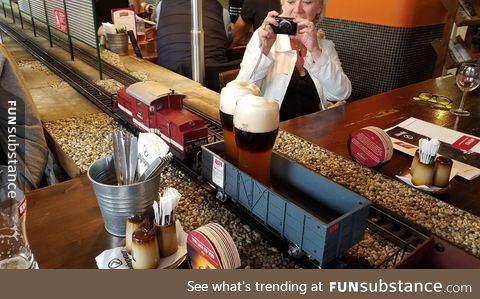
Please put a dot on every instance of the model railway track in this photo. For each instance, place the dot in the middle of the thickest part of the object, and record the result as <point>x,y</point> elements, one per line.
<point>399,231</point>
<point>81,83</point>
<point>396,229</point>
<point>215,134</point>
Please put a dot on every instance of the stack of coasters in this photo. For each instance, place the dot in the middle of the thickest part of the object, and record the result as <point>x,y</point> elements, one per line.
<point>211,247</point>
<point>370,146</point>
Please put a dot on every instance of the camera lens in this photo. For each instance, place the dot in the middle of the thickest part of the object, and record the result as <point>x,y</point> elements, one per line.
<point>285,26</point>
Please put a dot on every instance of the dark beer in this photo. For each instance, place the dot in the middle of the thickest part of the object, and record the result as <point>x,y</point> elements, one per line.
<point>255,152</point>
<point>229,96</point>
<point>230,148</point>
<point>256,123</point>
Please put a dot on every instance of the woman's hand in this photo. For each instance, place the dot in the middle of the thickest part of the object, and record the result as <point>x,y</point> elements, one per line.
<point>307,35</point>
<point>266,34</point>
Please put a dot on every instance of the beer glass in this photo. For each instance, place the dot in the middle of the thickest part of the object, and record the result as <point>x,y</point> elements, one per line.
<point>229,96</point>
<point>256,122</point>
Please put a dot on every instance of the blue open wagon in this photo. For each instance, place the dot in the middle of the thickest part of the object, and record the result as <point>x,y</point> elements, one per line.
<point>320,217</point>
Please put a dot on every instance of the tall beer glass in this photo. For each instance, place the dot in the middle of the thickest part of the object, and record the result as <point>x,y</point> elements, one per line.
<point>256,121</point>
<point>228,100</point>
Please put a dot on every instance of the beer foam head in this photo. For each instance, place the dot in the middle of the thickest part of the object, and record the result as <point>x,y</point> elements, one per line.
<point>233,91</point>
<point>256,114</point>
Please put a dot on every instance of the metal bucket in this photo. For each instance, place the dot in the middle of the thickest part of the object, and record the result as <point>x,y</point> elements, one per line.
<point>118,202</point>
<point>118,43</point>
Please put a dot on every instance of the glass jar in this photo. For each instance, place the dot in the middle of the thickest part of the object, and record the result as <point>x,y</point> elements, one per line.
<point>15,252</point>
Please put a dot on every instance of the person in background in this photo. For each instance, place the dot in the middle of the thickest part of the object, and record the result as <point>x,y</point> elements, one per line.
<point>158,7</point>
<point>173,35</point>
<point>301,72</point>
<point>253,13</point>
<point>23,147</point>
<point>104,8</point>
<point>226,20</point>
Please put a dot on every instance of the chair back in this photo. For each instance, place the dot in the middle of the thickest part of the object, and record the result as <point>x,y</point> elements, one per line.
<point>227,76</point>
<point>212,71</point>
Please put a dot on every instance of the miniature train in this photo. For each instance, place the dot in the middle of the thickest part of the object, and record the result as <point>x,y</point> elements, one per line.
<point>319,218</point>
<point>154,108</point>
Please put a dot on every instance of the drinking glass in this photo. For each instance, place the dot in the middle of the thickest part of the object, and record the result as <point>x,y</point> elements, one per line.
<point>468,78</point>
<point>15,252</point>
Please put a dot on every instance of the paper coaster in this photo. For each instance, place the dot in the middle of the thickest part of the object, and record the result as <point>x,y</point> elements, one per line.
<point>212,237</point>
<point>370,146</point>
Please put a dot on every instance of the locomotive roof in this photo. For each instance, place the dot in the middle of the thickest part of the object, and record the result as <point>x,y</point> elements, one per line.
<point>147,91</point>
<point>178,117</point>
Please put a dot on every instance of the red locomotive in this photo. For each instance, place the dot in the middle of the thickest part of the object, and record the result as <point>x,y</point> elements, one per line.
<point>154,108</point>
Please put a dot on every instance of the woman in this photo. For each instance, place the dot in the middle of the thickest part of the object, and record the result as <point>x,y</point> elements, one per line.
<point>299,71</point>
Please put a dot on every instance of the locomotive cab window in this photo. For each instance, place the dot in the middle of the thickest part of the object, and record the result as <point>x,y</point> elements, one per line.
<point>160,104</point>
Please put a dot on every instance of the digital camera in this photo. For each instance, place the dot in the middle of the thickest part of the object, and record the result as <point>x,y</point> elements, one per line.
<point>285,26</point>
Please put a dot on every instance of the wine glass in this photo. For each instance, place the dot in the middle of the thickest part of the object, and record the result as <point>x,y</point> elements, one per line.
<point>468,78</point>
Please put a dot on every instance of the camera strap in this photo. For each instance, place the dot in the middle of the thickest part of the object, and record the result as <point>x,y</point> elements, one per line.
<point>258,61</point>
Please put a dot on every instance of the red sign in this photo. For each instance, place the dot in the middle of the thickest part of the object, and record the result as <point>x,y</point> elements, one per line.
<point>465,143</point>
<point>367,148</point>
<point>201,252</point>
<point>60,19</point>
<point>333,228</point>
<point>405,145</point>
<point>22,208</point>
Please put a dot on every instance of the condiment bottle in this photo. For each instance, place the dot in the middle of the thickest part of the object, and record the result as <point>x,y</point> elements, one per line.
<point>423,174</point>
<point>145,249</point>
<point>424,170</point>
<point>134,222</point>
<point>415,161</point>
<point>443,167</point>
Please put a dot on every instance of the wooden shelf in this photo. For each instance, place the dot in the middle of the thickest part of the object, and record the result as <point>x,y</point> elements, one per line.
<point>471,18</point>
<point>463,20</point>
<point>452,61</point>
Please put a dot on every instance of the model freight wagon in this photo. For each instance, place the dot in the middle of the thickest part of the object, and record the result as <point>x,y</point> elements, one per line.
<point>317,216</point>
<point>156,109</point>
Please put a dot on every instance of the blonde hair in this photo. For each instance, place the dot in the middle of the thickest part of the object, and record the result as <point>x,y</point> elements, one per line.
<point>317,17</point>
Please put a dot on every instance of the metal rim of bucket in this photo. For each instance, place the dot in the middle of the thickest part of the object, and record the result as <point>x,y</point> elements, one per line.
<point>115,186</point>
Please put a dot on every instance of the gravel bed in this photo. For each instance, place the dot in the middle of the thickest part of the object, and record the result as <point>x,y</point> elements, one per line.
<point>196,208</point>
<point>38,66</point>
<point>84,139</point>
<point>109,85</point>
<point>440,218</point>
<point>35,65</point>
<point>114,59</point>
<point>112,85</point>
<point>375,249</point>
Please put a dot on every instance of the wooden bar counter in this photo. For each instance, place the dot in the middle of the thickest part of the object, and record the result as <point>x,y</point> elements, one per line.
<point>65,226</point>
<point>330,129</point>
